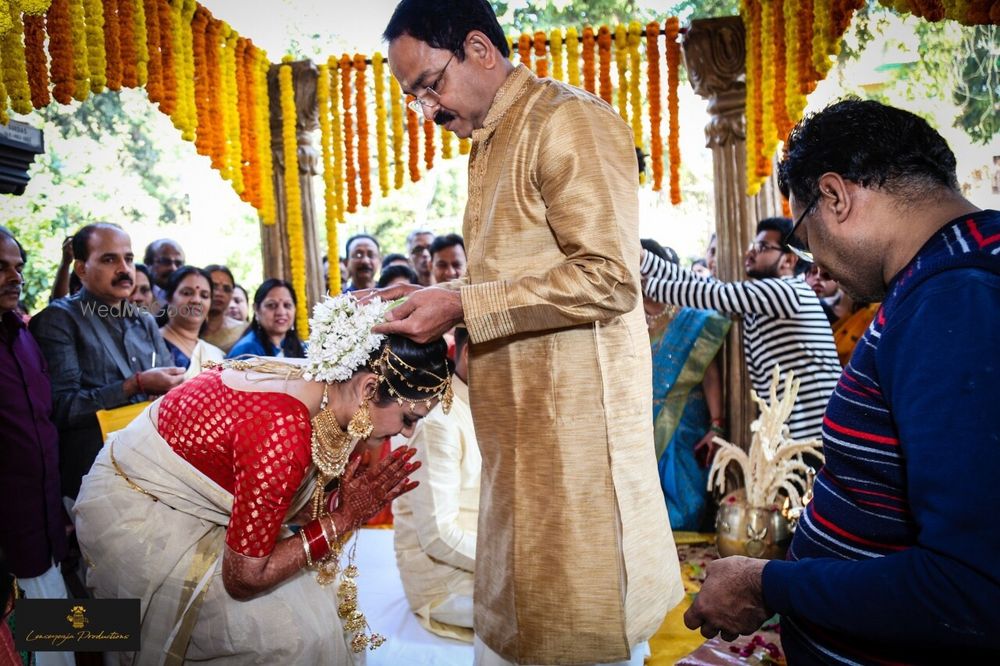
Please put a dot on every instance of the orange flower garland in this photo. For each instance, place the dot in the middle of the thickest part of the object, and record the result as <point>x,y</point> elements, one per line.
<point>126,42</point>
<point>346,64</point>
<point>154,83</point>
<point>57,24</point>
<point>244,164</point>
<point>35,59</point>
<point>213,66</point>
<point>672,29</point>
<point>336,140</point>
<point>464,146</point>
<point>621,63</point>
<point>251,174</point>
<point>541,61</point>
<point>167,55</point>
<point>653,96</point>
<point>412,142</point>
<point>364,163</point>
<point>807,73</point>
<point>396,103</point>
<point>381,133</point>
<point>780,112</point>
<point>203,137</point>
<point>429,144</point>
<point>588,60</point>
<point>112,48</point>
<point>573,56</point>
<point>769,130</point>
<point>524,49</point>
<point>604,51</point>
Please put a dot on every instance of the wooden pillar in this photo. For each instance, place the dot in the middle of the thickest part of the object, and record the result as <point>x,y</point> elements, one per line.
<point>715,57</point>
<point>274,238</point>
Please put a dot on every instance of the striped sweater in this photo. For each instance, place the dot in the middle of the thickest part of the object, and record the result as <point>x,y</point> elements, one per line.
<point>897,558</point>
<point>784,324</point>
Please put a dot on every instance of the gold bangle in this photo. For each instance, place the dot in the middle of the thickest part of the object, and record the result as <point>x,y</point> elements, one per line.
<point>331,542</point>
<point>305,547</point>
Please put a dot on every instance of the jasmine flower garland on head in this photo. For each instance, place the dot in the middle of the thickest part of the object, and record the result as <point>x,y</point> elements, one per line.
<point>341,338</point>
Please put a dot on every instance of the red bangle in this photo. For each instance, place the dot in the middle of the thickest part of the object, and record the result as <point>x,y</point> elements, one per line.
<point>319,547</point>
<point>138,382</point>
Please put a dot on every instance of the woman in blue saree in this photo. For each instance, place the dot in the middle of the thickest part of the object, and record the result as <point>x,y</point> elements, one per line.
<point>687,400</point>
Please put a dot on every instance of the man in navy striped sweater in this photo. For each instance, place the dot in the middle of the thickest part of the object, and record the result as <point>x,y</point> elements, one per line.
<point>896,558</point>
<point>784,322</point>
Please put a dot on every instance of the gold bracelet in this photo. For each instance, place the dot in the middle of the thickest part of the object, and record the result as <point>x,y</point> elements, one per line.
<point>305,547</point>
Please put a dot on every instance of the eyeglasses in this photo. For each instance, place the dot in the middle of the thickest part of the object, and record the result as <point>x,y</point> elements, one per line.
<point>167,261</point>
<point>803,254</point>
<point>430,97</point>
<point>759,247</point>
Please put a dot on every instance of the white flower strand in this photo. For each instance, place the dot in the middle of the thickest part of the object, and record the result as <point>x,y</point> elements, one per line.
<point>774,462</point>
<point>341,338</point>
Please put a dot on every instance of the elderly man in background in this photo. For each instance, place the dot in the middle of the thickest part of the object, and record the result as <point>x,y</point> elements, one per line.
<point>364,260</point>
<point>418,247</point>
<point>163,256</point>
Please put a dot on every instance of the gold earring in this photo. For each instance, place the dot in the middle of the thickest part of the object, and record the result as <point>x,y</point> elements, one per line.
<point>360,425</point>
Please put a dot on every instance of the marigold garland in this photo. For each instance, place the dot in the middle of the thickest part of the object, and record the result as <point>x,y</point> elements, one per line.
<point>57,24</point>
<point>755,140</point>
<point>634,38</point>
<point>413,142</point>
<point>269,206</point>
<point>821,37</point>
<point>243,117</point>
<point>81,66</point>
<point>293,195</point>
<point>154,65</point>
<point>381,134</point>
<point>464,146</point>
<point>231,112</point>
<point>168,55</point>
<point>604,51</point>
<point>621,64</point>
<point>4,116</point>
<point>112,49</point>
<point>510,47</point>
<point>326,148</point>
<point>588,60</point>
<point>781,119</point>
<point>541,61</point>
<point>768,127</point>
<point>555,47</point>
<point>446,149</point>
<point>203,137</point>
<point>573,56</point>
<point>190,117</point>
<point>126,42</point>
<point>35,60</point>
<point>795,102</point>
<point>524,49</point>
<point>15,72</point>
<point>396,103</point>
<point>248,110</point>
<point>672,28</point>
<point>96,61</point>
<point>653,97</point>
<point>336,138</point>
<point>140,42</point>
<point>213,65</point>
<point>428,144</point>
<point>346,65</point>
<point>364,163</point>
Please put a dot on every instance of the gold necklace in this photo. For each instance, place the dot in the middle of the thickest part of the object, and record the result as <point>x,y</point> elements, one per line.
<point>331,447</point>
<point>669,312</point>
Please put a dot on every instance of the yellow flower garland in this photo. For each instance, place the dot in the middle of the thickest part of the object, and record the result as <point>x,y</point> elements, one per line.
<point>139,44</point>
<point>81,68</point>
<point>464,146</point>
<point>293,196</point>
<point>573,56</point>
<point>396,102</point>
<point>446,151</point>
<point>381,135</point>
<point>189,119</point>
<point>767,83</point>
<point>178,114</point>
<point>269,206</point>
<point>234,150</point>
<point>364,163</point>
<point>555,48</point>
<point>97,63</point>
<point>621,61</point>
<point>795,101</point>
<point>821,37</point>
<point>634,38</point>
<point>336,137</point>
<point>752,113</point>
<point>326,144</point>
<point>15,68</point>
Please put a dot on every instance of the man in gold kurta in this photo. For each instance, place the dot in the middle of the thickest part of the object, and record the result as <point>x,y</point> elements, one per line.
<point>575,560</point>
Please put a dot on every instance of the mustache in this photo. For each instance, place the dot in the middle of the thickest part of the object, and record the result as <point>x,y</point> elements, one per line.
<point>123,278</point>
<point>443,117</point>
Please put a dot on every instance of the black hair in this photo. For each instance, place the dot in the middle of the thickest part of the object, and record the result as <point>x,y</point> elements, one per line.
<point>7,233</point>
<point>461,339</point>
<point>174,281</point>
<point>144,269</point>
<point>75,284</point>
<point>291,345</point>
<point>446,241</point>
<point>444,24</point>
<point>390,273</point>
<point>347,247</point>
<point>81,239</point>
<point>665,253</point>
<point>699,262</point>
<point>219,268</point>
<point>241,288</point>
<point>394,256</point>
<point>783,226</point>
<point>871,144</point>
<point>425,366</point>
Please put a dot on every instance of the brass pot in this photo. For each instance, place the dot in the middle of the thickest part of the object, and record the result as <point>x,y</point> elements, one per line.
<point>742,529</point>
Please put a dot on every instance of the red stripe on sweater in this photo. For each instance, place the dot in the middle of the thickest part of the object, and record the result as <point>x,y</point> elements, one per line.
<point>871,437</point>
<point>875,393</point>
<point>974,230</point>
<point>853,537</point>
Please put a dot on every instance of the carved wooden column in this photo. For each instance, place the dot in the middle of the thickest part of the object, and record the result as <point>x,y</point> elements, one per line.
<point>274,238</point>
<point>715,57</point>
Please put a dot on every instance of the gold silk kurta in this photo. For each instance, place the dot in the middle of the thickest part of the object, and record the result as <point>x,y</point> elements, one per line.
<point>575,560</point>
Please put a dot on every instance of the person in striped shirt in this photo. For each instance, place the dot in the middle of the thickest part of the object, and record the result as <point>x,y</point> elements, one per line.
<point>784,322</point>
<point>895,560</point>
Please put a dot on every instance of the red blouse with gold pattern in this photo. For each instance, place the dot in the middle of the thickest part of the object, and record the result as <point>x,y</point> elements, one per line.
<point>256,445</point>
